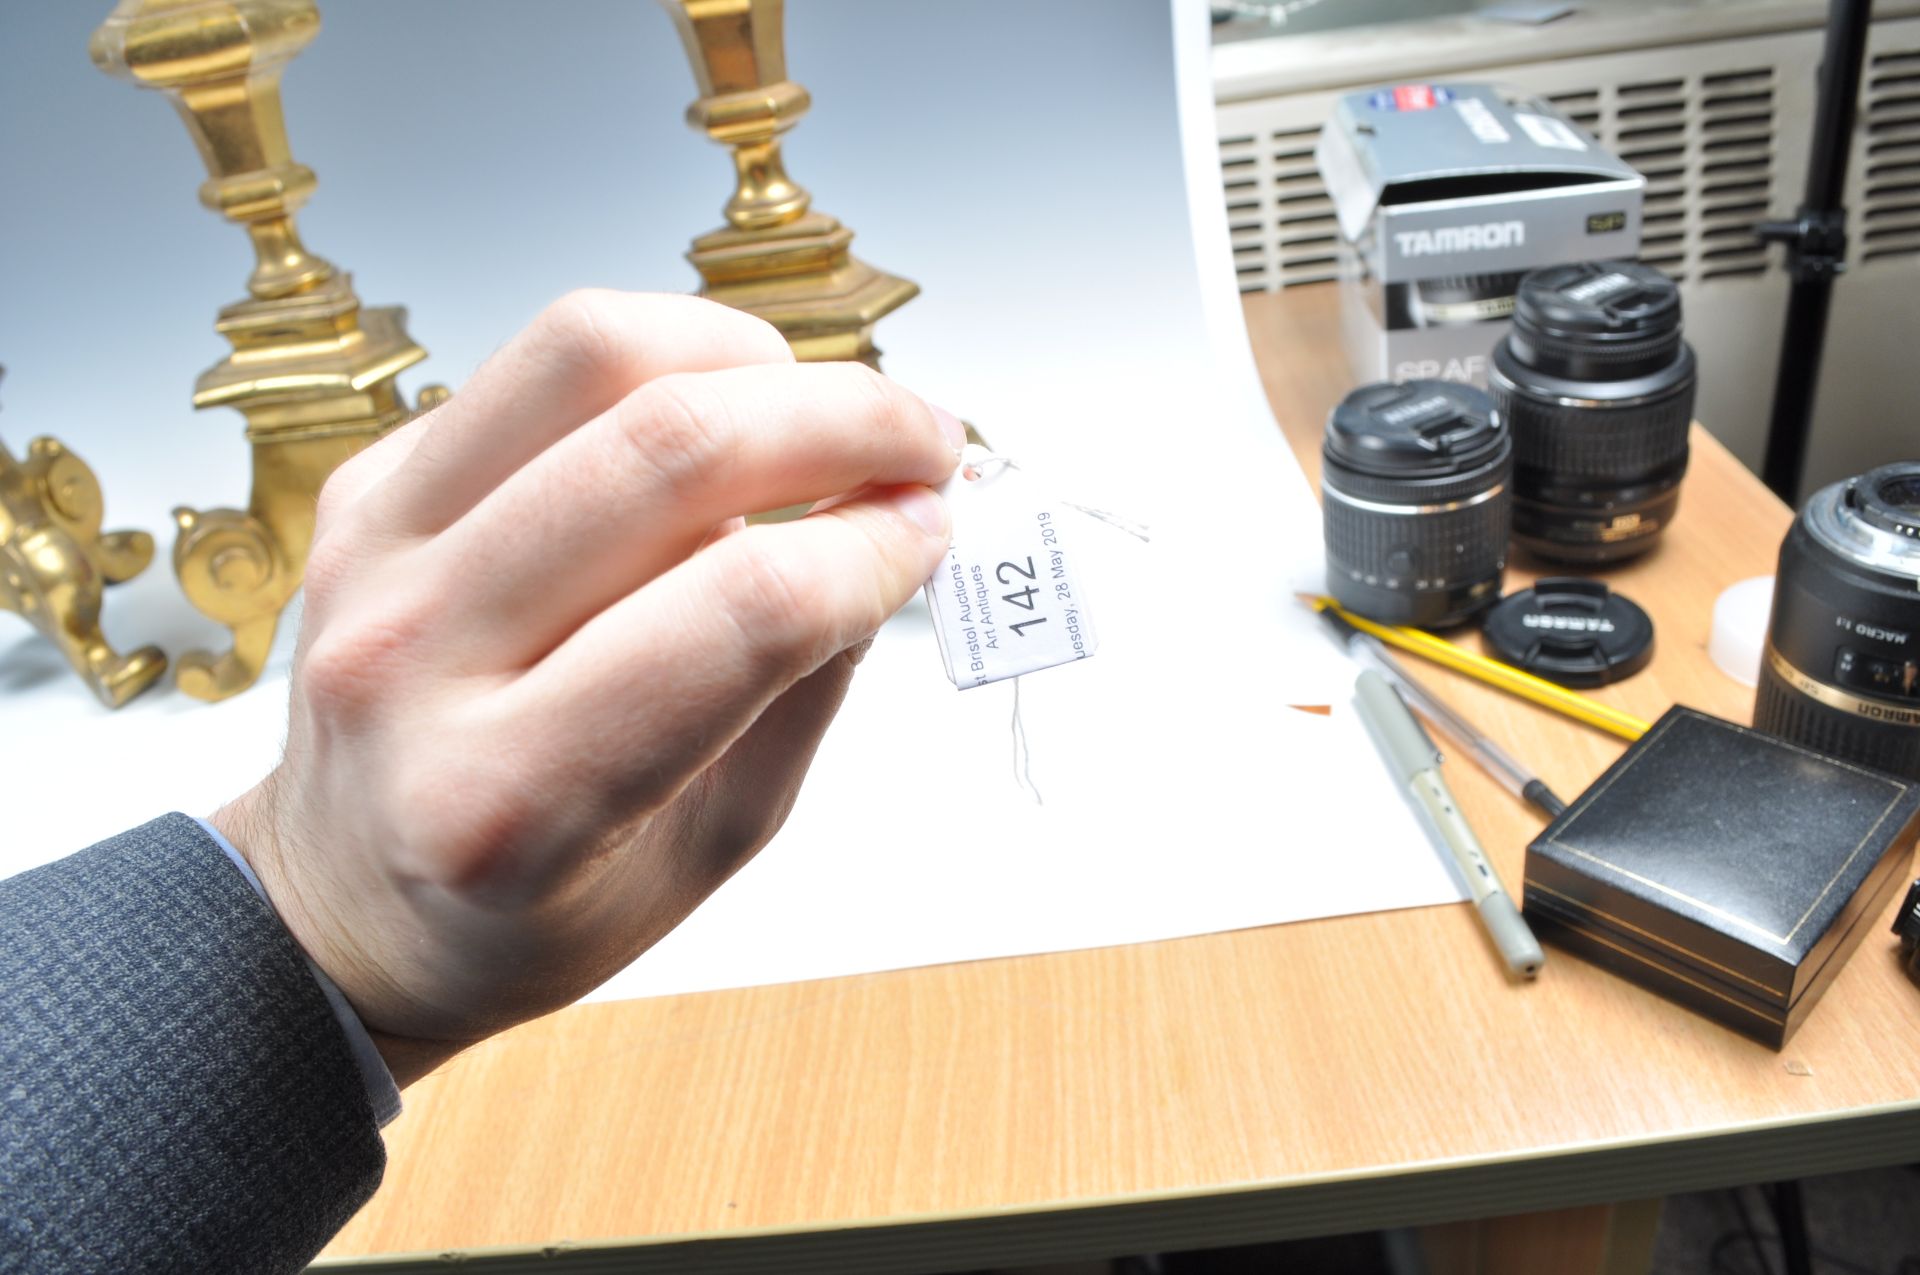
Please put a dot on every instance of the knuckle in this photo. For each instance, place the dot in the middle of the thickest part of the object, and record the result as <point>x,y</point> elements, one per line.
<point>743,829</point>
<point>894,416</point>
<point>762,339</point>
<point>680,428</point>
<point>348,669</point>
<point>336,494</point>
<point>584,325</point>
<point>456,833</point>
<point>884,572</point>
<point>611,332</point>
<point>360,474</point>
<point>750,338</point>
<point>775,606</point>
<point>882,403</point>
<point>329,561</point>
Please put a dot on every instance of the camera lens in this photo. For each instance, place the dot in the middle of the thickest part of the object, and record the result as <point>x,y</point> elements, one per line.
<point>1841,671</point>
<point>1416,502</point>
<point>1455,299</point>
<point>1597,387</point>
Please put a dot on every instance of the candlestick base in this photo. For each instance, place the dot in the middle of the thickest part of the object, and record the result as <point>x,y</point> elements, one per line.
<point>55,562</point>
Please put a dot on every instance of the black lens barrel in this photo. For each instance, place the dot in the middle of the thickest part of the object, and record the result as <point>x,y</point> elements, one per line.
<point>1597,386</point>
<point>1841,670</point>
<point>1416,502</point>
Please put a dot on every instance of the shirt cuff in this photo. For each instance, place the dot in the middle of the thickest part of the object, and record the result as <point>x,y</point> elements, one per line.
<point>381,1091</point>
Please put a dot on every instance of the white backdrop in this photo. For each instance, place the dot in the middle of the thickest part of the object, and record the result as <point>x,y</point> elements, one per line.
<point>1182,793</point>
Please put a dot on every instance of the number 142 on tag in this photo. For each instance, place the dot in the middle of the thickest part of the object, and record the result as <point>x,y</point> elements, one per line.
<point>1006,601</point>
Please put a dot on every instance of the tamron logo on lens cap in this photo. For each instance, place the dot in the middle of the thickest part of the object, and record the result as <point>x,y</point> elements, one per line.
<point>1569,623</point>
<point>1573,631</point>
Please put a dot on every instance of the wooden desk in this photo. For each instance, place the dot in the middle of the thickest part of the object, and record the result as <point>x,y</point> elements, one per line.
<point>1315,1078</point>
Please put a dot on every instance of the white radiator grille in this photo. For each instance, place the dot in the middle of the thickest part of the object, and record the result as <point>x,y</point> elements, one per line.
<point>1281,219</point>
<point>1706,145</point>
<point>1889,225</point>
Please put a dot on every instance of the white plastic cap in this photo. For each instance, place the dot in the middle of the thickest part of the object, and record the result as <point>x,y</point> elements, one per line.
<point>1740,629</point>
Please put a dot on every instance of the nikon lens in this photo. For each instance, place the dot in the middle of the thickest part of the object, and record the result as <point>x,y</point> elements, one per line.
<point>1415,496</point>
<point>1597,387</point>
<point>1841,669</point>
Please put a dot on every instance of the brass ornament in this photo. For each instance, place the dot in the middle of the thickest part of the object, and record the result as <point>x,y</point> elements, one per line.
<point>55,562</point>
<point>775,258</point>
<point>312,370</point>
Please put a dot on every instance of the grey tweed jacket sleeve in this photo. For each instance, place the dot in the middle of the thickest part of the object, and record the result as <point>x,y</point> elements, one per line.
<point>175,1092</point>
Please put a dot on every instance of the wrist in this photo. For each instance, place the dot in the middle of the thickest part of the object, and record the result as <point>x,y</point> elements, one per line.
<point>250,829</point>
<point>411,1058</point>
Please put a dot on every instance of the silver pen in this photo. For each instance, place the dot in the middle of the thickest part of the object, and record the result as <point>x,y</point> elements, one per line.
<point>1411,756</point>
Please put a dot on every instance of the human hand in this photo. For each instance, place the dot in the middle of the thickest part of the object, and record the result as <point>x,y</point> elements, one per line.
<point>549,691</point>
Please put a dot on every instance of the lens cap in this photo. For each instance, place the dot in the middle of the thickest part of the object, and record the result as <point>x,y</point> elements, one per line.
<point>1571,631</point>
<point>1414,429</point>
<point>1599,320</point>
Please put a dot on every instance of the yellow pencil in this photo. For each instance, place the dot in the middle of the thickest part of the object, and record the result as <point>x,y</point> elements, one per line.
<point>1492,672</point>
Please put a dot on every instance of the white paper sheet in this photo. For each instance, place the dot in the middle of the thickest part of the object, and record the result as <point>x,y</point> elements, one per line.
<point>1182,794</point>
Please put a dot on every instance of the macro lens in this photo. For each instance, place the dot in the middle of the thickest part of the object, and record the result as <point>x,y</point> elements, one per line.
<point>1841,669</point>
<point>1416,502</point>
<point>1597,387</point>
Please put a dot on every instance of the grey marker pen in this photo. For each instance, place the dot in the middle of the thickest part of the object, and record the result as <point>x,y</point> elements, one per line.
<point>1412,757</point>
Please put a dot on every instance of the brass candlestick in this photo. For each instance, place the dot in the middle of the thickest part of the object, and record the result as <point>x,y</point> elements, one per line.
<point>311,369</point>
<point>55,561</point>
<point>775,258</point>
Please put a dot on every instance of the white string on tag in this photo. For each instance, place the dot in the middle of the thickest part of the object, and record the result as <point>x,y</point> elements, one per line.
<point>1009,601</point>
<point>1138,530</point>
<point>977,467</point>
<point>1023,755</point>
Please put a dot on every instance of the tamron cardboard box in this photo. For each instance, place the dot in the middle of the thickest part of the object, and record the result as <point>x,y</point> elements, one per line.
<point>1446,194</point>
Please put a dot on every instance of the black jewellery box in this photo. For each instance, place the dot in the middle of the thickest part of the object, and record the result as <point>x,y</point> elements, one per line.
<point>1725,869</point>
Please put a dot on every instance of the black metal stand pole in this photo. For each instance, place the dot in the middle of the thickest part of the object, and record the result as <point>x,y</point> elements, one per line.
<point>1816,242</point>
<point>1790,1214</point>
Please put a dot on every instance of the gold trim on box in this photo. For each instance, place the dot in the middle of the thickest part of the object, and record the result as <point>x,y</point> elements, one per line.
<point>1886,712</point>
<point>1580,806</point>
<point>1762,1015</point>
<point>1587,909</point>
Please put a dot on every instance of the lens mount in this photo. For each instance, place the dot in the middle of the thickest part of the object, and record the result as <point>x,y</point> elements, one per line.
<point>1872,520</point>
<point>1889,498</point>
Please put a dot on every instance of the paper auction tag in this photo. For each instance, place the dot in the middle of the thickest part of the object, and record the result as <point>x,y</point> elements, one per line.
<point>1006,601</point>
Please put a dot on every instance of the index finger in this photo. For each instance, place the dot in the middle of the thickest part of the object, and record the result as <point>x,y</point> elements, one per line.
<point>585,353</point>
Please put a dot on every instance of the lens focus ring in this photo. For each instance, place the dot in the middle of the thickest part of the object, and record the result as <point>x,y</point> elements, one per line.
<point>1610,443</point>
<point>1397,549</point>
<point>1781,709</point>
